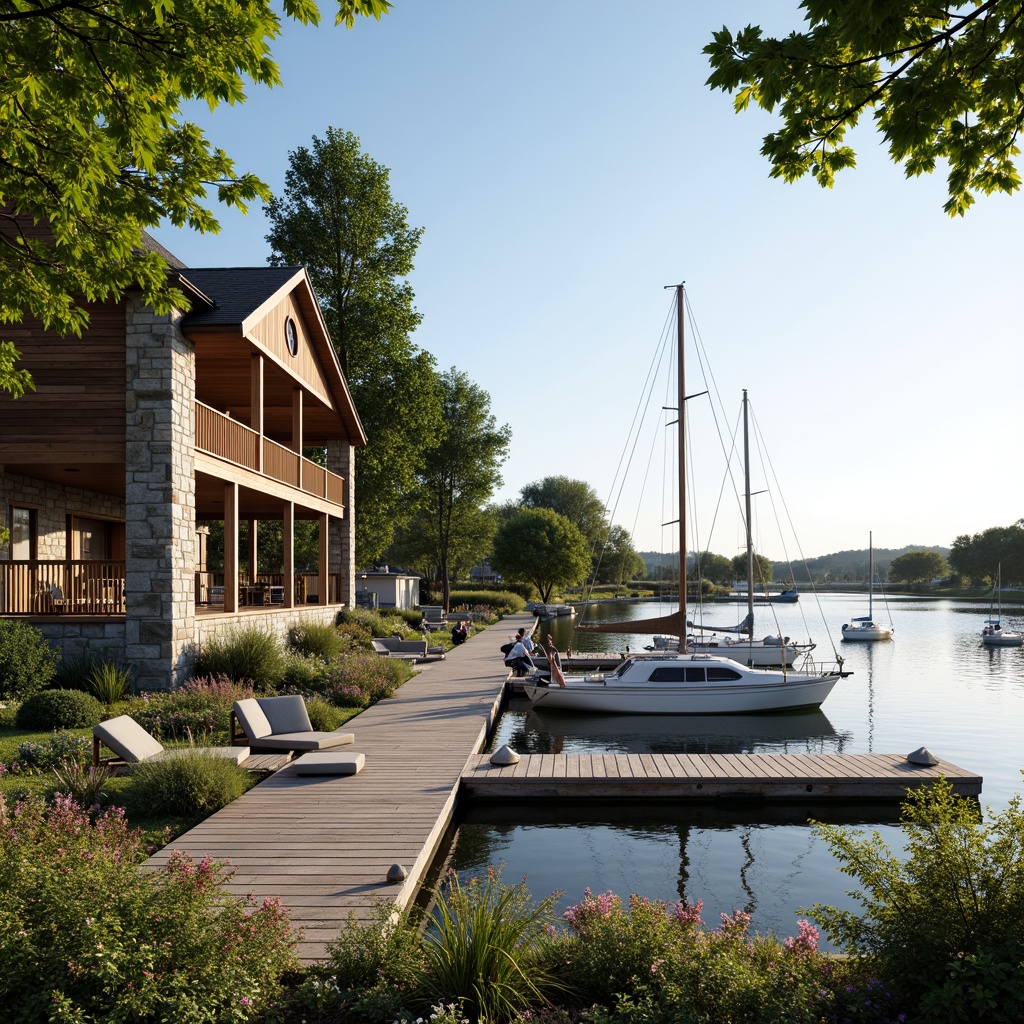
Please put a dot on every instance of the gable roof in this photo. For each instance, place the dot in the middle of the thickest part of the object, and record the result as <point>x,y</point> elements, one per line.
<point>236,291</point>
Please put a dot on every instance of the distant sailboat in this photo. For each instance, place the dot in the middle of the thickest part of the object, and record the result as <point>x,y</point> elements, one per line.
<point>865,627</point>
<point>993,634</point>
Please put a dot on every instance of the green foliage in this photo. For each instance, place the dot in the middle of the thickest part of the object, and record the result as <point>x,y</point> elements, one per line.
<point>199,708</point>
<point>59,709</point>
<point>452,530</point>
<point>337,217</point>
<point>324,716</point>
<point>977,556</point>
<point>86,786</point>
<point>574,499</point>
<point>244,655</point>
<point>917,567</point>
<point>73,673</point>
<point>60,748</point>
<point>188,783</point>
<point>304,673</point>
<point>96,146</point>
<point>315,639</point>
<point>942,85</point>
<point>109,683</point>
<point>493,602</point>
<point>482,948</point>
<point>379,623</point>
<point>947,917</point>
<point>88,937</point>
<point>27,661</point>
<point>543,548</point>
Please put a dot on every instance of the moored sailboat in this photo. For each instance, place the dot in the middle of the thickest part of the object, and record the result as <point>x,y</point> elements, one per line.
<point>992,633</point>
<point>864,627</point>
<point>680,683</point>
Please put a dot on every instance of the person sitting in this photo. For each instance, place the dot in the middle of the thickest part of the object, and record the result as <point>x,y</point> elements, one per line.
<point>460,633</point>
<point>525,639</point>
<point>519,660</point>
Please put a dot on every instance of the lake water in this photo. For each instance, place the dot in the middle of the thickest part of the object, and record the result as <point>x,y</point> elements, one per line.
<point>934,685</point>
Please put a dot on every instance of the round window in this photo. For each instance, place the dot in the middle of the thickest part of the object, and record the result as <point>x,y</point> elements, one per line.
<point>291,335</point>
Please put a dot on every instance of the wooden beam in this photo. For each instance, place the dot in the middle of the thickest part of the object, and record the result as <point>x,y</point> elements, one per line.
<point>256,404</point>
<point>323,568</point>
<point>289,555</point>
<point>231,547</point>
<point>297,410</point>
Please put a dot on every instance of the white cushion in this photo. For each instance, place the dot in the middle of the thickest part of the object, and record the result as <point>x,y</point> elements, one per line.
<point>126,738</point>
<point>252,719</point>
<point>285,714</point>
<point>329,763</point>
<point>236,754</point>
<point>304,740</point>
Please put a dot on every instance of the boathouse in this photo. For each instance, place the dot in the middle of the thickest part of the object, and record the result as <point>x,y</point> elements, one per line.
<point>150,425</point>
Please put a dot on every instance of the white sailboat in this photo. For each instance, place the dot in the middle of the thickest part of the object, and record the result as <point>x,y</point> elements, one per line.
<point>770,651</point>
<point>992,633</point>
<point>679,683</point>
<point>865,627</point>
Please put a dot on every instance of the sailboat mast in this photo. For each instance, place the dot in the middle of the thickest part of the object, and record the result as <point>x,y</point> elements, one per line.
<point>750,538</point>
<point>871,575</point>
<point>680,348</point>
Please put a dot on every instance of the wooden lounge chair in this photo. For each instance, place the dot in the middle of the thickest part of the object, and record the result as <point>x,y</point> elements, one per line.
<point>269,725</point>
<point>129,743</point>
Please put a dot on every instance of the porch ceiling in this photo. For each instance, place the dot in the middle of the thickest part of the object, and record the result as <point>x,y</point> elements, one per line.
<point>252,504</point>
<point>102,477</point>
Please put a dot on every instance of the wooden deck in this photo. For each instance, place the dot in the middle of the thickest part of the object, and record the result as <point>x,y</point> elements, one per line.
<point>702,776</point>
<point>324,845</point>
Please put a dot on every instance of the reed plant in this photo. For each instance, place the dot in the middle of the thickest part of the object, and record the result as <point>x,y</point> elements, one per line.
<point>315,640</point>
<point>189,783</point>
<point>85,785</point>
<point>109,682</point>
<point>245,655</point>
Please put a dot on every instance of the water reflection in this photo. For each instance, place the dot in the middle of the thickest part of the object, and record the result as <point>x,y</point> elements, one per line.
<point>530,731</point>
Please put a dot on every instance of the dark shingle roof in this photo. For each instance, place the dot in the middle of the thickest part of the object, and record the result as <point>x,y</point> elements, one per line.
<point>150,244</point>
<point>236,291</point>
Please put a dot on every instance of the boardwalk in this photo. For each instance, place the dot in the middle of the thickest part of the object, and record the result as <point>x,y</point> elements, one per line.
<point>786,777</point>
<point>324,845</point>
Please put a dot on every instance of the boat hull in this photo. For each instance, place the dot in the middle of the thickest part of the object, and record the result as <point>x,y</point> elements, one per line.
<point>1003,640</point>
<point>683,699</point>
<point>757,655</point>
<point>868,631</point>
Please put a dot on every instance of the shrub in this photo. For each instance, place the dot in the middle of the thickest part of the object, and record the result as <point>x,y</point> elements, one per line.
<point>379,623</point>
<point>941,924</point>
<point>248,655</point>
<point>324,716</point>
<point>59,709</point>
<point>481,949</point>
<point>109,683</point>
<point>27,661</point>
<point>84,785</point>
<point>315,639</point>
<point>495,602</point>
<point>87,936</point>
<point>304,673</point>
<point>360,681</point>
<point>190,783</point>
<point>73,673</point>
<point>62,748</point>
<point>199,708</point>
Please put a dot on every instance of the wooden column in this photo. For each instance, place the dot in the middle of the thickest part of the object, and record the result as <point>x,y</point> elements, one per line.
<point>231,547</point>
<point>324,583</point>
<point>297,410</point>
<point>256,406</point>
<point>253,551</point>
<point>289,555</point>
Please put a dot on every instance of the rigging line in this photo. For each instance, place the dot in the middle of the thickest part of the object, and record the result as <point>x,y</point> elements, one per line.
<point>799,547</point>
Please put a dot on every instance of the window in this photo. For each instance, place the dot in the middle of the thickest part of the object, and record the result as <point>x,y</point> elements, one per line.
<point>718,674</point>
<point>23,534</point>
<point>677,674</point>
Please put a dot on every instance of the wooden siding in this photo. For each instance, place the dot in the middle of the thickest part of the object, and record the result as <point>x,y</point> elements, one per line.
<point>77,412</point>
<point>304,365</point>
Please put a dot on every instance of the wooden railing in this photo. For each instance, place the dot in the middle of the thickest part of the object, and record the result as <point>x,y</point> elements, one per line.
<point>66,587</point>
<point>219,435</point>
<point>210,587</point>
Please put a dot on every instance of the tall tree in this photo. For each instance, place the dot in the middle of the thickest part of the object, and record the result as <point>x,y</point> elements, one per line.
<point>978,556</point>
<point>95,147</point>
<point>453,529</point>
<point>943,83</point>
<point>763,571</point>
<point>338,218</point>
<point>619,559</point>
<point>574,499</point>
<point>917,567</point>
<point>541,547</point>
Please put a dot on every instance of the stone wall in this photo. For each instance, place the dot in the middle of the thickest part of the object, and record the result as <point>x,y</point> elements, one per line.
<point>160,496</point>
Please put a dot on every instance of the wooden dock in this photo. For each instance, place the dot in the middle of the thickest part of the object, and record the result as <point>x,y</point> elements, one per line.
<point>324,845</point>
<point>788,777</point>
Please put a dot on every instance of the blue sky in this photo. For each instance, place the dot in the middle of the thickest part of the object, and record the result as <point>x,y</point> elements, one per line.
<point>568,162</point>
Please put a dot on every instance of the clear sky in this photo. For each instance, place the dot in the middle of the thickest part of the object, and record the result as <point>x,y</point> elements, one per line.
<point>567,162</point>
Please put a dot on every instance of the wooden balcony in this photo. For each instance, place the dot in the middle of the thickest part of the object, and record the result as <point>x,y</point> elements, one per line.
<point>225,438</point>
<point>65,587</point>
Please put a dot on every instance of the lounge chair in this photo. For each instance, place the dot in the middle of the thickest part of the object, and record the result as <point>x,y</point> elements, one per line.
<point>272,724</point>
<point>129,743</point>
<point>434,617</point>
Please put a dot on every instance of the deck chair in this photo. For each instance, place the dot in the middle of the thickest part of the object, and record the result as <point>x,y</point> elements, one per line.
<point>58,600</point>
<point>129,743</point>
<point>273,724</point>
